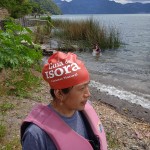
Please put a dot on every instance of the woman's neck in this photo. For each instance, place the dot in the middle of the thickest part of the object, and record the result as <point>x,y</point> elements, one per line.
<point>62,110</point>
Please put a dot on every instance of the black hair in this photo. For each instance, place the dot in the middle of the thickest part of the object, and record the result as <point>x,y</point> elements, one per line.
<point>65,91</point>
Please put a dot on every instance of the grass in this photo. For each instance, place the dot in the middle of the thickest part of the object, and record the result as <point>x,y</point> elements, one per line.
<point>112,141</point>
<point>2,131</point>
<point>89,32</point>
<point>14,83</point>
<point>14,144</point>
<point>6,106</point>
<point>18,83</point>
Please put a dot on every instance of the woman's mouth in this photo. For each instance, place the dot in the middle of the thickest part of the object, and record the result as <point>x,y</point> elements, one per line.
<point>83,103</point>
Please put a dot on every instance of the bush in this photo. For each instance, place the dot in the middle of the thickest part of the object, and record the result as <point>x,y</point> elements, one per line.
<point>13,52</point>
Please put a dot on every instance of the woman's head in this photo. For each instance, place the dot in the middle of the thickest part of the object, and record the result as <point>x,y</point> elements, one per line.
<point>68,79</point>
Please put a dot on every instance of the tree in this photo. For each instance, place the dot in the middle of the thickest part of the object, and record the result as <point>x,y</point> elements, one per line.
<point>20,8</point>
<point>48,5</point>
<point>37,9</point>
<point>17,8</point>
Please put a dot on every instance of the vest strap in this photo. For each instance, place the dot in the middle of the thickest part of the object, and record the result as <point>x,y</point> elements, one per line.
<point>98,130</point>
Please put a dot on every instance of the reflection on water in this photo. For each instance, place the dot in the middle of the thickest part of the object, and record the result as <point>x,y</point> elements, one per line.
<point>97,57</point>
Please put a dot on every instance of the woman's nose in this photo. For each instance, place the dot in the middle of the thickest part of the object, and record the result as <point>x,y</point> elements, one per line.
<point>87,92</point>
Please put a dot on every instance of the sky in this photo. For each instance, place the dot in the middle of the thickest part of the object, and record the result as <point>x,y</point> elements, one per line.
<point>124,1</point>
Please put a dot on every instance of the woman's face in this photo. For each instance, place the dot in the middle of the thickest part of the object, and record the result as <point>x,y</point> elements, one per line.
<point>77,97</point>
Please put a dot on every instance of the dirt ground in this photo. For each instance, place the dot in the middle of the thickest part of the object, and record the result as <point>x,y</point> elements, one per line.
<point>123,133</point>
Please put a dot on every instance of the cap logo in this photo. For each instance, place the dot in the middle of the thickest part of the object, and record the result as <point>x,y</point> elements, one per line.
<point>61,69</point>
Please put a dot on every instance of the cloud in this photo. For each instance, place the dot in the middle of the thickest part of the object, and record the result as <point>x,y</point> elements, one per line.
<point>131,1</point>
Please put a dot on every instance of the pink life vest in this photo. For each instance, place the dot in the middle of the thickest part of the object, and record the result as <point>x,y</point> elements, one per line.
<point>62,135</point>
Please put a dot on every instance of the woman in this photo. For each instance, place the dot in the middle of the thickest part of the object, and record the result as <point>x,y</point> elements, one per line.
<point>69,122</point>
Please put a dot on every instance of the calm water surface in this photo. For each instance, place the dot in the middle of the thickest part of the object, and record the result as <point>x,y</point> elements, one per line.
<point>125,72</point>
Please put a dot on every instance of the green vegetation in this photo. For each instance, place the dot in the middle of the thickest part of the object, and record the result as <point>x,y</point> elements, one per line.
<point>13,53</point>
<point>17,56</point>
<point>42,33</point>
<point>14,144</point>
<point>2,131</point>
<point>113,142</point>
<point>89,32</point>
<point>48,6</point>
<point>19,83</point>
<point>17,8</point>
<point>37,9</point>
<point>6,106</point>
<point>19,76</point>
<point>20,8</point>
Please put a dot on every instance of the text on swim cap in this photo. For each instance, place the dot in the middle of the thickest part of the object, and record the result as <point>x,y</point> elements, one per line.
<point>59,69</point>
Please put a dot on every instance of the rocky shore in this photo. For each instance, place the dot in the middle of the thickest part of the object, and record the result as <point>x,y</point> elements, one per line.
<point>123,133</point>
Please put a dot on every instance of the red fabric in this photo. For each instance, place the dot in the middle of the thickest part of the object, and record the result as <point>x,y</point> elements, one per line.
<point>64,70</point>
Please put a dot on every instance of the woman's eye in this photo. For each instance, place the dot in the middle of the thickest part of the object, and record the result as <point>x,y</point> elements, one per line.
<point>82,88</point>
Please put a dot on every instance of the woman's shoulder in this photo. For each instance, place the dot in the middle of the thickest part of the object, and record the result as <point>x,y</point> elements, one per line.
<point>34,130</point>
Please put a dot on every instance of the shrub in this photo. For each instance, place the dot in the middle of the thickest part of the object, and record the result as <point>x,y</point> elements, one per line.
<point>13,52</point>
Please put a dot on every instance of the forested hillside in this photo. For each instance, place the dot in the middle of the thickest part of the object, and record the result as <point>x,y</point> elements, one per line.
<point>20,8</point>
<point>48,5</point>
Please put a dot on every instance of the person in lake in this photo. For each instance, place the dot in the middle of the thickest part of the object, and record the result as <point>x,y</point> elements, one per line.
<point>96,50</point>
<point>69,121</point>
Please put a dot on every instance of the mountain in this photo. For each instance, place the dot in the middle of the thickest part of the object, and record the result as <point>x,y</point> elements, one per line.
<point>100,7</point>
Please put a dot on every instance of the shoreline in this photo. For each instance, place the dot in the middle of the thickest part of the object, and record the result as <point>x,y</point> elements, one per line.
<point>123,107</point>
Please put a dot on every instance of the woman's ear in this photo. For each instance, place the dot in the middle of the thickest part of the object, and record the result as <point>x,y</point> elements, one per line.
<point>58,94</point>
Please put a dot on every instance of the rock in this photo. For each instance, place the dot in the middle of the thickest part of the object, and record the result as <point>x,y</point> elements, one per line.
<point>138,135</point>
<point>75,47</point>
<point>54,44</point>
<point>48,52</point>
<point>134,148</point>
<point>45,46</point>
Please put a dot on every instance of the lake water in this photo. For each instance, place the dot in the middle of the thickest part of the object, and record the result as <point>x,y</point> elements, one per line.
<point>124,72</point>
